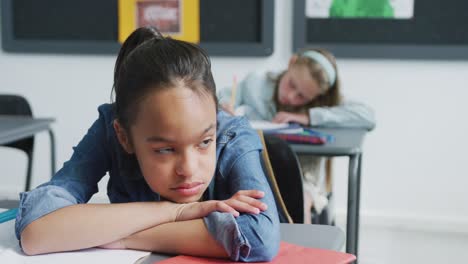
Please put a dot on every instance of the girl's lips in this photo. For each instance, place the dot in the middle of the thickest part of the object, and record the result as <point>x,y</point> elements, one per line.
<point>188,189</point>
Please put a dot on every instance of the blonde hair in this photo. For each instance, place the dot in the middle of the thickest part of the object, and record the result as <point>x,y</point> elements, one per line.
<point>329,96</point>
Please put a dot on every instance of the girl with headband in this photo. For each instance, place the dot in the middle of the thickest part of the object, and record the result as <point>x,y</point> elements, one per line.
<point>308,93</point>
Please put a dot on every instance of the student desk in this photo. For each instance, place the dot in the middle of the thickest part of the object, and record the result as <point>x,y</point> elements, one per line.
<point>347,142</point>
<point>13,128</point>
<point>317,236</point>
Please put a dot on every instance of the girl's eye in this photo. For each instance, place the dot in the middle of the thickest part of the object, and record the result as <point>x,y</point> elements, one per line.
<point>205,143</point>
<point>164,150</point>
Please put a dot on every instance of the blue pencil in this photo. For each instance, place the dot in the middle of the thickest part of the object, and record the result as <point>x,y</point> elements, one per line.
<point>8,215</point>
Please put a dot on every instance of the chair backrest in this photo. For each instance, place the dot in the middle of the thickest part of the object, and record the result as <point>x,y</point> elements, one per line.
<point>285,177</point>
<point>17,105</point>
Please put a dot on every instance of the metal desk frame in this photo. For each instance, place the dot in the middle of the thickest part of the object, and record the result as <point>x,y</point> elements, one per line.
<point>13,128</point>
<point>347,142</point>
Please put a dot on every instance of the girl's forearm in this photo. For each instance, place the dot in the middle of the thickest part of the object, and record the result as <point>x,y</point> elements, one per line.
<point>89,225</point>
<point>185,237</point>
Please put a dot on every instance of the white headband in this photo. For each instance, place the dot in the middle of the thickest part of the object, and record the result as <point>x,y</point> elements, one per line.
<point>324,62</point>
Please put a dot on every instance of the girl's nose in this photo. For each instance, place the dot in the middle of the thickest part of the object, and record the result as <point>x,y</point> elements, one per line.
<point>293,97</point>
<point>187,164</point>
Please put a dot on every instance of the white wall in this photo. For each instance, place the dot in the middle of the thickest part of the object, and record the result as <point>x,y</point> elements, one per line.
<point>414,172</point>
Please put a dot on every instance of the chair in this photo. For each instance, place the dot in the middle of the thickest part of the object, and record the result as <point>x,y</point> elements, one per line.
<point>18,105</point>
<point>284,176</point>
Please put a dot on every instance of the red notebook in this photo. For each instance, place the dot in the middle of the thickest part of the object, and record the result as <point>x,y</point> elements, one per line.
<point>288,253</point>
<point>302,139</point>
<point>307,136</point>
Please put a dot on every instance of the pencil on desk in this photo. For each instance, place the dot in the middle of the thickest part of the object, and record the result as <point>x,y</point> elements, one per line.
<point>233,92</point>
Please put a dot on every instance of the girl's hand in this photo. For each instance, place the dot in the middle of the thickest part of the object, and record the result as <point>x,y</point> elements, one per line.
<point>228,108</point>
<point>286,117</point>
<point>245,201</point>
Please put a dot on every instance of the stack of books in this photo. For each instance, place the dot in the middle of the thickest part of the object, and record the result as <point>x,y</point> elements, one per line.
<point>293,132</point>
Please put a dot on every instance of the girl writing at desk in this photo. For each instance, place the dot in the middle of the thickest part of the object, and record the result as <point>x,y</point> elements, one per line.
<point>185,178</point>
<point>308,93</point>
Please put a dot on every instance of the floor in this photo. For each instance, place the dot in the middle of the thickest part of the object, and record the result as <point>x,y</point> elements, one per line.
<point>384,245</point>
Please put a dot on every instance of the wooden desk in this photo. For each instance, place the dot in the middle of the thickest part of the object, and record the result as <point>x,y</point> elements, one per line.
<point>13,128</point>
<point>347,142</point>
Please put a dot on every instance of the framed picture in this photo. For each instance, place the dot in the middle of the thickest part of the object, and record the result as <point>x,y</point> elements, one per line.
<point>397,29</point>
<point>179,19</point>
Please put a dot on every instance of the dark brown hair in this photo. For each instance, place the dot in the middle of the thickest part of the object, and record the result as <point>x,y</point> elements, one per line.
<point>148,61</point>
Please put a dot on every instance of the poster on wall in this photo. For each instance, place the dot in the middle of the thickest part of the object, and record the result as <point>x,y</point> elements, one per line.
<point>385,9</point>
<point>395,29</point>
<point>179,19</point>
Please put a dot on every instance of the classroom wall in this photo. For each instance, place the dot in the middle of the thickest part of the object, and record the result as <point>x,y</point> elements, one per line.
<point>414,168</point>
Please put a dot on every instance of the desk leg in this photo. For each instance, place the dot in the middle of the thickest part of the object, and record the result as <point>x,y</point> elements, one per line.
<point>352,228</point>
<point>52,152</point>
<point>358,202</point>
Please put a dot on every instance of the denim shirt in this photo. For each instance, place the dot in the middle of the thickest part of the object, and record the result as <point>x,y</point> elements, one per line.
<point>248,237</point>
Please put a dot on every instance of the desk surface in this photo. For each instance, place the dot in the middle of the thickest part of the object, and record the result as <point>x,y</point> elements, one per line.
<point>347,141</point>
<point>10,252</point>
<point>13,128</point>
<point>316,236</point>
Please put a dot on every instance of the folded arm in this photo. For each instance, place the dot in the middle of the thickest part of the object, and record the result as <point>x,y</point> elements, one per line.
<point>348,114</point>
<point>186,237</point>
<point>192,237</point>
<point>89,225</point>
<point>249,237</point>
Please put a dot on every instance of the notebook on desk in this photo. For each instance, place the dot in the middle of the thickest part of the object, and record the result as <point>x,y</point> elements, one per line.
<point>308,136</point>
<point>288,254</point>
<point>293,132</point>
<point>271,128</point>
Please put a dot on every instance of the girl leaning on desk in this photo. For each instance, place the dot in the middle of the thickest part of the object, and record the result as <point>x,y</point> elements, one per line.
<point>185,178</point>
<point>307,92</point>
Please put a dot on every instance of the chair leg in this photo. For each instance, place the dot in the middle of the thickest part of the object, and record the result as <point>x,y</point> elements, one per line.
<point>329,175</point>
<point>28,173</point>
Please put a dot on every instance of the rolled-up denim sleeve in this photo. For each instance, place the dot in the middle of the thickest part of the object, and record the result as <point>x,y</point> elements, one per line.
<point>74,183</point>
<point>249,237</point>
<point>39,202</point>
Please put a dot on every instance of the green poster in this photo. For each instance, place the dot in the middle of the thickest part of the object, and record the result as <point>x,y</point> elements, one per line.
<point>361,8</point>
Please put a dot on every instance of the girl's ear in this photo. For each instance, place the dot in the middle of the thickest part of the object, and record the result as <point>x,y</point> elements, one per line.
<point>292,60</point>
<point>123,137</point>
